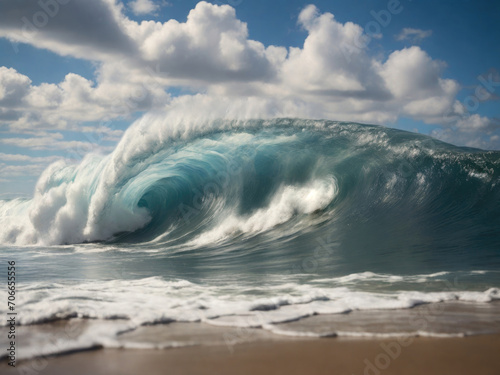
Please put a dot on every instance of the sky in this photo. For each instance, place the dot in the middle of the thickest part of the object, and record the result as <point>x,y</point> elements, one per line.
<point>74,74</point>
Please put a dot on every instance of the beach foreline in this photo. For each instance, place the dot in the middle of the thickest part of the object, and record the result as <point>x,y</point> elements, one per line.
<point>475,354</point>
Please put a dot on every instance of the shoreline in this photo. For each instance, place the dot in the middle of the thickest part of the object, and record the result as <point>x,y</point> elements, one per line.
<point>370,342</point>
<point>444,320</point>
<point>351,356</point>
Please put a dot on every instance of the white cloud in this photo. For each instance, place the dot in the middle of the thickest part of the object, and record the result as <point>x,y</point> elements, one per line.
<point>24,165</point>
<point>322,64</point>
<point>56,142</point>
<point>75,99</point>
<point>13,87</point>
<point>212,45</point>
<point>411,73</point>
<point>21,170</point>
<point>413,35</point>
<point>48,143</point>
<point>26,158</point>
<point>472,131</point>
<point>332,75</point>
<point>335,70</point>
<point>142,7</point>
<point>308,16</point>
<point>414,79</point>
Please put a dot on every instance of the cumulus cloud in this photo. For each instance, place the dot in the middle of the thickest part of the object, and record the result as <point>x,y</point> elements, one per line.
<point>74,100</point>
<point>413,35</point>
<point>334,68</point>
<point>332,75</point>
<point>13,87</point>
<point>142,7</point>
<point>322,66</point>
<point>414,79</point>
<point>212,45</point>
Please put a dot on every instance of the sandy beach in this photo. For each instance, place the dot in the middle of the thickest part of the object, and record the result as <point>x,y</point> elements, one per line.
<point>379,342</point>
<point>470,355</point>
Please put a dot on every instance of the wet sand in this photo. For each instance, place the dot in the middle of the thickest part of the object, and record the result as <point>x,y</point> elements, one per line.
<point>210,349</point>
<point>470,355</point>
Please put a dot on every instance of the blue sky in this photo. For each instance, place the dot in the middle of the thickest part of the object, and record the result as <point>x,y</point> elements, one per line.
<point>75,74</point>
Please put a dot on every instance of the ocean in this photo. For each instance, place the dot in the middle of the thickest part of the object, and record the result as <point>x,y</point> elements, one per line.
<point>286,226</point>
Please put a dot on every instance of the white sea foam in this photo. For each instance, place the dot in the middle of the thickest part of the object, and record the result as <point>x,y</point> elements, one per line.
<point>154,300</point>
<point>94,200</point>
<point>119,306</point>
<point>286,203</point>
<point>386,278</point>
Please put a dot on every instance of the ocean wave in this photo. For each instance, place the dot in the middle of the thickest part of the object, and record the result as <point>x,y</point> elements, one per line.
<point>198,184</point>
<point>114,314</point>
<point>154,300</point>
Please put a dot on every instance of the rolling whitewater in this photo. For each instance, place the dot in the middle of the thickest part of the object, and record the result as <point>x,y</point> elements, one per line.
<point>282,225</point>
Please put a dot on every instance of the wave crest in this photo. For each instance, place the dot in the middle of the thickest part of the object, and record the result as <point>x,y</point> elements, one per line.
<point>203,183</point>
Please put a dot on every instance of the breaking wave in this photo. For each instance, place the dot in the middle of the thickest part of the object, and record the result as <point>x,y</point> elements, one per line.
<point>228,180</point>
<point>258,223</point>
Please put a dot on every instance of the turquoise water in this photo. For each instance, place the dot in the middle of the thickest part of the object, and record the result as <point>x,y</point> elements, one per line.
<point>288,217</point>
